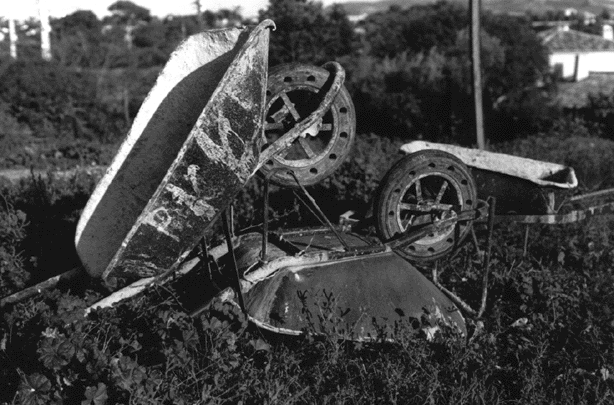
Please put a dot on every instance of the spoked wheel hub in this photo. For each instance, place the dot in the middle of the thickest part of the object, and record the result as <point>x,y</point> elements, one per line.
<point>294,93</point>
<point>426,188</point>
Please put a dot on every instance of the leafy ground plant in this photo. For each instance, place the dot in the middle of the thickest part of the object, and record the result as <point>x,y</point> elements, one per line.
<point>547,338</point>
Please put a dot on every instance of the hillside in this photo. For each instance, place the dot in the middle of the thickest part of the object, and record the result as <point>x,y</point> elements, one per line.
<point>498,6</point>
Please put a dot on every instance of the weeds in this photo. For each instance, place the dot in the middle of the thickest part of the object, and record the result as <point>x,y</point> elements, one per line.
<point>12,232</point>
<point>547,338</point>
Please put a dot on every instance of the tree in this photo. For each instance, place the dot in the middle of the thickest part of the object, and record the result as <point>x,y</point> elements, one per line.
<point>426,94</point>
<point>605,14</point>
<point>29,35</point>
<point>417,28</point>
<point>149,40</point>
<point>77,39</point>
<point>177,28</point>
<point>435,38</point>
<point>420,28</point>
<point>522,106</point>
<point>129,16</point>
<point>128,12</point>
<point>306,33</point>
<point>222,18</point>
<point>81,20</point>
<point>339,33</point>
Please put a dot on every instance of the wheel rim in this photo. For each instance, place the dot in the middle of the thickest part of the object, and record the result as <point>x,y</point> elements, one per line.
<point>318,151</point>
<point>423,190</point>
<point>427,191</point>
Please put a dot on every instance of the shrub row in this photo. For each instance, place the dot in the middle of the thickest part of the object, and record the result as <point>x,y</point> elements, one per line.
<point>547,332</point>
<point>546,339</point>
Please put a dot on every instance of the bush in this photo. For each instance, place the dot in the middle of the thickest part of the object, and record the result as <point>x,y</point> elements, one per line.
<point>547,335</point>
<point>548,325</point>
<point>572,143</point>
<point>55,102</point>
<point>600,112</point>
<point>52,207</point>
<point>13,275</point>
<point>14,139</point>
<point>413,78</point>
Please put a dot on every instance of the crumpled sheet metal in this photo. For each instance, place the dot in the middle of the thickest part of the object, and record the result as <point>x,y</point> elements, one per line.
<point>365,295</point>
<point>192,147</point>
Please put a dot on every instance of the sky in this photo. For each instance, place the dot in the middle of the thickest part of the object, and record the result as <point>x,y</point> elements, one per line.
<point>22,9</point>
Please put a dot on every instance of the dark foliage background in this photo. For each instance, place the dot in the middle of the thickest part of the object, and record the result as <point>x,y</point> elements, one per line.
<point>408,71</point>
<point>547,336</point>
<point>549,324</point>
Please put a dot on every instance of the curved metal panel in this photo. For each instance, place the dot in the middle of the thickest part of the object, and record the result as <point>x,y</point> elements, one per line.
<point>363,294</point>
<point>192,147</point>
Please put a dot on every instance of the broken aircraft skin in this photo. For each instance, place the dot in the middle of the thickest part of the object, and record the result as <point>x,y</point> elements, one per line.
<point>196,141</point>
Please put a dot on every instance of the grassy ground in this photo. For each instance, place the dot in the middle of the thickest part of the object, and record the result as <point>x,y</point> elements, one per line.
<point>547,337</point>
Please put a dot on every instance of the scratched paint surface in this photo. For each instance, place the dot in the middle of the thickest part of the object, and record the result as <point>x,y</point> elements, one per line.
<point>217,159</point>
<point>381,287</point>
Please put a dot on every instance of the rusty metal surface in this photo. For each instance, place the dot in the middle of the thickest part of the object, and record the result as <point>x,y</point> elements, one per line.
<point>426,187</point>
<point>294,242</point>
<point>552,219</point>
<point>158,132</point>
<point>365,293</point>
<point>308,241</point>
<point>294,91</point>
<point>218,157</point>
<point>540,173</point>
<point>438,226</point>
<point>519,196</point>
<point>522,186</point>
<point>330,89</point>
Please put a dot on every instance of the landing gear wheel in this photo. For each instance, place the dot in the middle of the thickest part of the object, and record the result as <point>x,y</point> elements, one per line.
<point>292,95</point>
<point>420,189</point>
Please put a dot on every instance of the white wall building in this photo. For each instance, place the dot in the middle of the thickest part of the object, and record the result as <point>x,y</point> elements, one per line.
<point>574,54</point>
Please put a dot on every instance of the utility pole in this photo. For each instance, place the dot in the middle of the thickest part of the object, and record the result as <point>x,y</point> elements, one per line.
<point>43,15</point>
<point>477,72</point>
<point>199,15</point>
<point>12,38</point>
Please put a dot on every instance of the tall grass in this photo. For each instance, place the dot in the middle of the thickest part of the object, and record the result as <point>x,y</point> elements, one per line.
<point>547,337</point>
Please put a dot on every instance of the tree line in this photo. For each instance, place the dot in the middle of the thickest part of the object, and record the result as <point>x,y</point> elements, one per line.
<point>408,69</point>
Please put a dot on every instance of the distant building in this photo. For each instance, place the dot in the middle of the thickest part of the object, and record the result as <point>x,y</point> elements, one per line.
<point>570,12</point>
<point>573,55</point>
<point>357,17</point>
<point>583,62</point>
<point>587,16</point>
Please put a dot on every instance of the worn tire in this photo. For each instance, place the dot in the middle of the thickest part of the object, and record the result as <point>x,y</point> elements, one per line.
<point>418,179</point>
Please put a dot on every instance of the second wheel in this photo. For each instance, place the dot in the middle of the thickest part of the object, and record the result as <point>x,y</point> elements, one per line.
<point>421,189</point>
